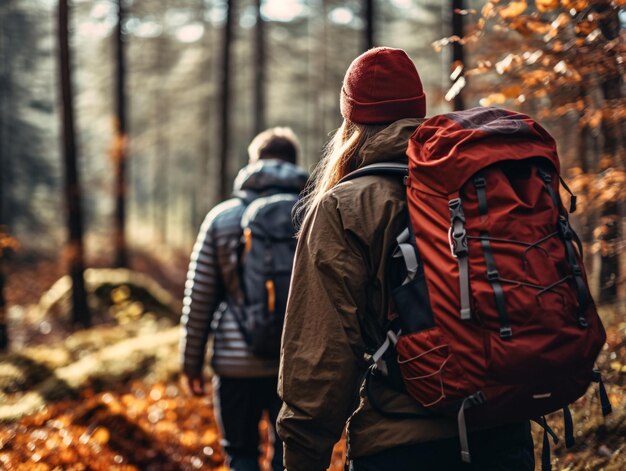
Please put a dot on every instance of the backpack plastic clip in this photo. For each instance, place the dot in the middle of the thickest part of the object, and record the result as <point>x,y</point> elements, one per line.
<point>565,228</point>
<point>458,244</point>
<point>391,338</point>
<point>545,175</point>
<point>506,332</point>
<point>457,238</point>
<point>456,210</point>
<point>480,182</point>
<point>457,234</point>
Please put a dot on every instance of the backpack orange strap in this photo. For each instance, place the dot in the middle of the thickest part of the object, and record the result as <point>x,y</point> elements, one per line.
<point>271,296</point>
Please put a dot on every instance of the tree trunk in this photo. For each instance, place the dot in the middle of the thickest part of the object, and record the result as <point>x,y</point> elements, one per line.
<point>582,160</point>
<point>203,193</point>
<point>75,249</point>
<point>612,144</point>
<point>368,31</point>
<point>321,65</point>
<point>224,124</point>
<point>458,59</point>
<point>259,76</point>
<point>120,146</point>
<point>4,93</point>
<point>162,181</point>
<point>611,84</point>
<point>4,334</point>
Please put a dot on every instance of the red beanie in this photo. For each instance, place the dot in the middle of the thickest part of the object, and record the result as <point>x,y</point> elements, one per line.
<point>381,86</point>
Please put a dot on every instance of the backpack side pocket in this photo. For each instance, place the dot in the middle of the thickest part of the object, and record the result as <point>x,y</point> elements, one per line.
<point>412,304</point>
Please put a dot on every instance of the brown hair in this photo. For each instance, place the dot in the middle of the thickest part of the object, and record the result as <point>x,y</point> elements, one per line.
<point>275,143</point>
<point>341,156</point>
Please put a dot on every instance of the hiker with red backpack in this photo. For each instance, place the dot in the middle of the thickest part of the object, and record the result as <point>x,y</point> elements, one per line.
<point>435,307</point>
<point>236,292</point>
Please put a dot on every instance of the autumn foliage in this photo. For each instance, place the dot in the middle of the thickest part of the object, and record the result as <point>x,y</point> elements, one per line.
<point>561,61</point>
<point>146,428</point>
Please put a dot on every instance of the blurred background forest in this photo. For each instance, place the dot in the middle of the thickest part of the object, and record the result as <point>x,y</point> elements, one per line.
<point>122,122</point>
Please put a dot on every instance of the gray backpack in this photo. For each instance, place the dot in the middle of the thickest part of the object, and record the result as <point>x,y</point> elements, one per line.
<point>266,257</point>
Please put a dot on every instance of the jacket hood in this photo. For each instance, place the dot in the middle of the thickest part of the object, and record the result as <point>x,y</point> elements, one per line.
<point>270,175</point>
<point>389,144</point>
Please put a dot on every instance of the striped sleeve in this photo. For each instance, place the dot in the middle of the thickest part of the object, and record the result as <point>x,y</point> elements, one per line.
<point>201,299</point>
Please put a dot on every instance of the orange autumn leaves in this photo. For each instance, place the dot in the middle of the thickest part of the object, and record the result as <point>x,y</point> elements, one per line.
<point>515,8</point>
<point>541,49</point>
<point>152,428</point>
<point>147,428</point>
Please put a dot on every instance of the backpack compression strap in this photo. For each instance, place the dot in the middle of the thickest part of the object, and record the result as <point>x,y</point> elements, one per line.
<point>397,169</point>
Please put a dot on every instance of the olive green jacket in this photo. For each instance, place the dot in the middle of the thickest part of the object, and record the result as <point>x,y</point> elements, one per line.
<point>337,306</point>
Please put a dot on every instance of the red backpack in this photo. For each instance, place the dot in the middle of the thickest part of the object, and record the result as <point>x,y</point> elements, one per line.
<point>496,322</point>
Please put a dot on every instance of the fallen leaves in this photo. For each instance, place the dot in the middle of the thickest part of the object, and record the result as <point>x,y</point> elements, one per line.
<point>547,5</point>
<point>152,428</point>
<point>157,427</point>
<point>576,5</point>
<point>147,428</point>
<point>513,9</point>
<point>618,366</point>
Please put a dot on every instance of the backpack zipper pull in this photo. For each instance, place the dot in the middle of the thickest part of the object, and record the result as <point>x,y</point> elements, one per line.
<point>271,296</point>
<point>247,239</point>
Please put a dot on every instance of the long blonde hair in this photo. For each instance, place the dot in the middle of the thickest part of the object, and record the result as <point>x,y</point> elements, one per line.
<point>341,156</point>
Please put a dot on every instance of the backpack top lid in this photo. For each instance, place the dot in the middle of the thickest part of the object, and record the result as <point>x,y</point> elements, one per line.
<point>446,150</point>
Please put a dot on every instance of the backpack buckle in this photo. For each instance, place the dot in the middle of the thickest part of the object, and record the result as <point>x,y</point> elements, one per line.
<point>545,176</point>
<point>456,211</point>
<point>506,332</point>
<point>391,339</point>
<point>492,275</point>
<point>458,242</point>
<point>565,229</point>
<point>480,182</point>
<point>457,235</point>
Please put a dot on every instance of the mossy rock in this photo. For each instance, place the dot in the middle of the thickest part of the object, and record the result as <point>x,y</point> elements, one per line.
<point>113,295</point>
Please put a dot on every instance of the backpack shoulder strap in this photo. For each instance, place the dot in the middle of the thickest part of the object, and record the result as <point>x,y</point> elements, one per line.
<point>398,169</point>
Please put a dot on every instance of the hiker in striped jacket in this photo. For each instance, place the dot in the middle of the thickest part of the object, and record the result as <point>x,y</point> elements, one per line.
<point>244,385</point>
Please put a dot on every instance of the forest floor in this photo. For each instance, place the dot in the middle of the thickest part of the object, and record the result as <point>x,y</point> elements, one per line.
<point>109,397</point>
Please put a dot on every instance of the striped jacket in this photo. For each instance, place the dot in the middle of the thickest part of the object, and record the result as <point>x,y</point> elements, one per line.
<point>212,279</point>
